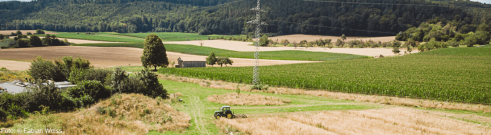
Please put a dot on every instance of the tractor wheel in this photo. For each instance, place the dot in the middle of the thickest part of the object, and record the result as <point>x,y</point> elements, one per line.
<point>229,115</point>
<point>217,117</point>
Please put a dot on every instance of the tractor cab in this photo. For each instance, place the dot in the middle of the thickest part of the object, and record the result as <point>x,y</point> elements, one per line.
<point>224,112</point>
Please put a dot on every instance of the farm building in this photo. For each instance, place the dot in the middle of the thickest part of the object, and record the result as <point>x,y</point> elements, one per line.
<point>190,62</point>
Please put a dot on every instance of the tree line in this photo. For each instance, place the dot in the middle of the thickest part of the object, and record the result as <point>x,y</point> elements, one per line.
<point>214,17</point>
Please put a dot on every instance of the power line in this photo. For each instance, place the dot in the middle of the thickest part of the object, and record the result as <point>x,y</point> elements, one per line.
<point>258,23</point>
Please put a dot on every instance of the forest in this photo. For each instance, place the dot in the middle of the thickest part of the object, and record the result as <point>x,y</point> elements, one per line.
<point>334,17</point>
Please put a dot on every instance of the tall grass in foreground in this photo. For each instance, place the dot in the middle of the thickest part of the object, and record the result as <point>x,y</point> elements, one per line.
<point>402,121</point>
<point>121,114</point>
<point>440,75</point>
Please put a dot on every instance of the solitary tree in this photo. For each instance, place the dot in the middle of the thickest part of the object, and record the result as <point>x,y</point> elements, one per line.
<point>1,36</point>
<point>39,31</point>
<point>18,32</point>
<point>295,44</point>
<point>263,41</point>
<point>303,42</point>
<point>343,37</point>
<point>211,60</point>
<point>285,42</point>
<point>221,61</point>
<point>154,53</point>
<point>35,41</point>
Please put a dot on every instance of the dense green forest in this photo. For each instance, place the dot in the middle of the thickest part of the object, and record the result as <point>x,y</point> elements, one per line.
<point>335,17</point>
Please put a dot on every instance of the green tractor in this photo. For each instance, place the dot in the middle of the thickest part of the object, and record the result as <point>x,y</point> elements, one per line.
<point>224,112</point>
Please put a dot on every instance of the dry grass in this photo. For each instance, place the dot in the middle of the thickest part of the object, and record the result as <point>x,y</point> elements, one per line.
<point>7,76</point>
<point>389,121</point>
<point>121,114</point>
<point>338,95</point>
<point>376,122</point>
<point>271,126</point>
<point>246,99</point>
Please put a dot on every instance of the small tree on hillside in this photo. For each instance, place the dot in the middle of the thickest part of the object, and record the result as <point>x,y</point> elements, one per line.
<point>18,32</point>
<point>221,61</point>
<point>343,37</point>
<point>303,43</point>
<point>154,53</point>
<point>295,44</point>
<point>211,60</point>
<point>35,41</point>
<point>284,42</point>
<point>39,31</point>
<point>264,41</point>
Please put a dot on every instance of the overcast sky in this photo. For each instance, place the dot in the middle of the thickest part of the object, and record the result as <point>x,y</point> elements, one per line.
<point>483,1</point>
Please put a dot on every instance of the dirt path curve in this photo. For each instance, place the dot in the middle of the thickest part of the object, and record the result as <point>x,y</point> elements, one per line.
<point>198,115</point>
<point>247,47</point>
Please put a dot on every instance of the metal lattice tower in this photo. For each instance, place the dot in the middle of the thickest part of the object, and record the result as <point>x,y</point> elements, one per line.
<point>258,23</point>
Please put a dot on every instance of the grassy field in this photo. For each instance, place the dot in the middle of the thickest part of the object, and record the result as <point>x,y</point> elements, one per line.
<point>201,110</point>
<point>172,36</point>
<point>100,36</point>
<point>274,55</point>
<point>453,74</point>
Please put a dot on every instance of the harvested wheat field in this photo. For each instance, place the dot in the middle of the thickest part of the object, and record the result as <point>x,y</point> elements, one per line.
<point>15,65</point>
<point>111,56</point>
<point>247,47</point>
<point>121,114</point>
<point>378,121</point>
<point>246,99</point>
<point>271,126</point>
<point>24,32</point>
<point>299,37</point>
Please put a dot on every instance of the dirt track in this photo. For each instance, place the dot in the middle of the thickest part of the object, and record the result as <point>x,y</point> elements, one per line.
<point>106,56</point>
<point>247,47</point>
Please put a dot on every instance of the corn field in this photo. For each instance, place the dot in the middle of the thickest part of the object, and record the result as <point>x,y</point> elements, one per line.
<point>453,74</point>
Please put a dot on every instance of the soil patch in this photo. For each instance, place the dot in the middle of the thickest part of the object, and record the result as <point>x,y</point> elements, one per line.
<point>246,99</point>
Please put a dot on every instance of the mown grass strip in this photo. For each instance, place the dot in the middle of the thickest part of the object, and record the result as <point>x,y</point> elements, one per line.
<point>99,36</point>
<point>172,36</point>
<point>274,55</point>
<point>454,74</point>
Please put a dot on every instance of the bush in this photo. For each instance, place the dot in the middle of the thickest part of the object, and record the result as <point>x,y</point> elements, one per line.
<point>77,75</point>
<point>1,36</point>
<point>39,31</point>
<point>88,92</point>
<point>45,70</point>
<point>152,86</point>
<point>8,43</point>
<point>263,41</point>
<point>45,95</point>
<point>29,33</point>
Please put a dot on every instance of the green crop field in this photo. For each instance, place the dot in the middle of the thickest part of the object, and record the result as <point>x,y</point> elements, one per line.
<point>453,74</point>
<point>274,55</point>
<point>99,36</point>
<point>172,36</point>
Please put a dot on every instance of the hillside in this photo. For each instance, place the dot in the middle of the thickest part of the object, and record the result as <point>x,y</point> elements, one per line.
<point>357,18</point>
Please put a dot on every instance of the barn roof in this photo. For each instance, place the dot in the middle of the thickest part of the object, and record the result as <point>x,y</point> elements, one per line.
<point>191,59</point>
